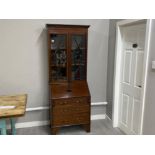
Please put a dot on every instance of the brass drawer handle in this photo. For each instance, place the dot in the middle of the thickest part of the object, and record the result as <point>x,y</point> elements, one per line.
<point>77,101</point>
<point>65,110</point>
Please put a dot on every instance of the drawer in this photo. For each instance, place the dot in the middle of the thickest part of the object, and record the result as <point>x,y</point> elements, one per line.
<point>83,118</point>
<point>71,101</point>
<point>70,109</point>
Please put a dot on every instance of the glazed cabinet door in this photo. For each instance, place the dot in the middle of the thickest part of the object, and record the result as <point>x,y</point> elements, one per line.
<point>58,57</point>
<point>78,56</point>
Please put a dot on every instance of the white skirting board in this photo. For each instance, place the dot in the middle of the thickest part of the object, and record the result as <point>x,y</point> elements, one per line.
<point>97,117</point>
<point>47,122</point>
<point>47,107</point>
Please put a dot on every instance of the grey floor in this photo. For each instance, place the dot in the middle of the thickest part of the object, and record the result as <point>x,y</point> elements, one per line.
<point>98,127</point>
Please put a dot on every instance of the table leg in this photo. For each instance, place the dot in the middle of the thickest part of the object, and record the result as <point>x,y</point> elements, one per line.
<point>13,128</point>
<point>3,126</point>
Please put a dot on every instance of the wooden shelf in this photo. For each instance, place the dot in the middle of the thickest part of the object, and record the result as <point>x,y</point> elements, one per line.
<point>82,48</point>
<point>78,64</point>
<point>54,49</point>
<point>59,66</point>
<point>58,81</point>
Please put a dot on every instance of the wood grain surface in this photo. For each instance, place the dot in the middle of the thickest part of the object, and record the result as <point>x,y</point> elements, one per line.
<point>19,101</point>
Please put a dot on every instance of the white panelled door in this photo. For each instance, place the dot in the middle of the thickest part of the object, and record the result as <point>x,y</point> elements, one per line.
<point>131,80</point>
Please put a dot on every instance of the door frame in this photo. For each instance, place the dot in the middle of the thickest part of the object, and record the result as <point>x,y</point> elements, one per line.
<point>117,68</point>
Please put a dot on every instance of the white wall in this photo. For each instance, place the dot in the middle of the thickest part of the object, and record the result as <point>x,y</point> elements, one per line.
<point>149,112</point>
<point>110,67</point>
<point>23,58</point>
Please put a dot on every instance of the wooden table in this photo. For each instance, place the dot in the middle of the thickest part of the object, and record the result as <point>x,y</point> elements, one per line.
<point>12,106</point>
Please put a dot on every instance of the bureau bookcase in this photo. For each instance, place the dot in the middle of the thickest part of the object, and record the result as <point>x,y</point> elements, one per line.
<point>69,93</point>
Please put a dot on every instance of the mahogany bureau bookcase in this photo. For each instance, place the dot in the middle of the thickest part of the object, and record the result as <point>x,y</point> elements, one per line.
<point>70,100</point>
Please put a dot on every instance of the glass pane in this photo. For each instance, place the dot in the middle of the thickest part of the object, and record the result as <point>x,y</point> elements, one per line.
<point>78,41</point>
<point>59,57</point>
<point>78,57</point>
<point>58,41</point>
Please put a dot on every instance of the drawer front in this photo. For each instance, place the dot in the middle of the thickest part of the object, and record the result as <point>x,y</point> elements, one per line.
<point>71,101</point>
<point>73,109</point>
<point>71,119</point>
